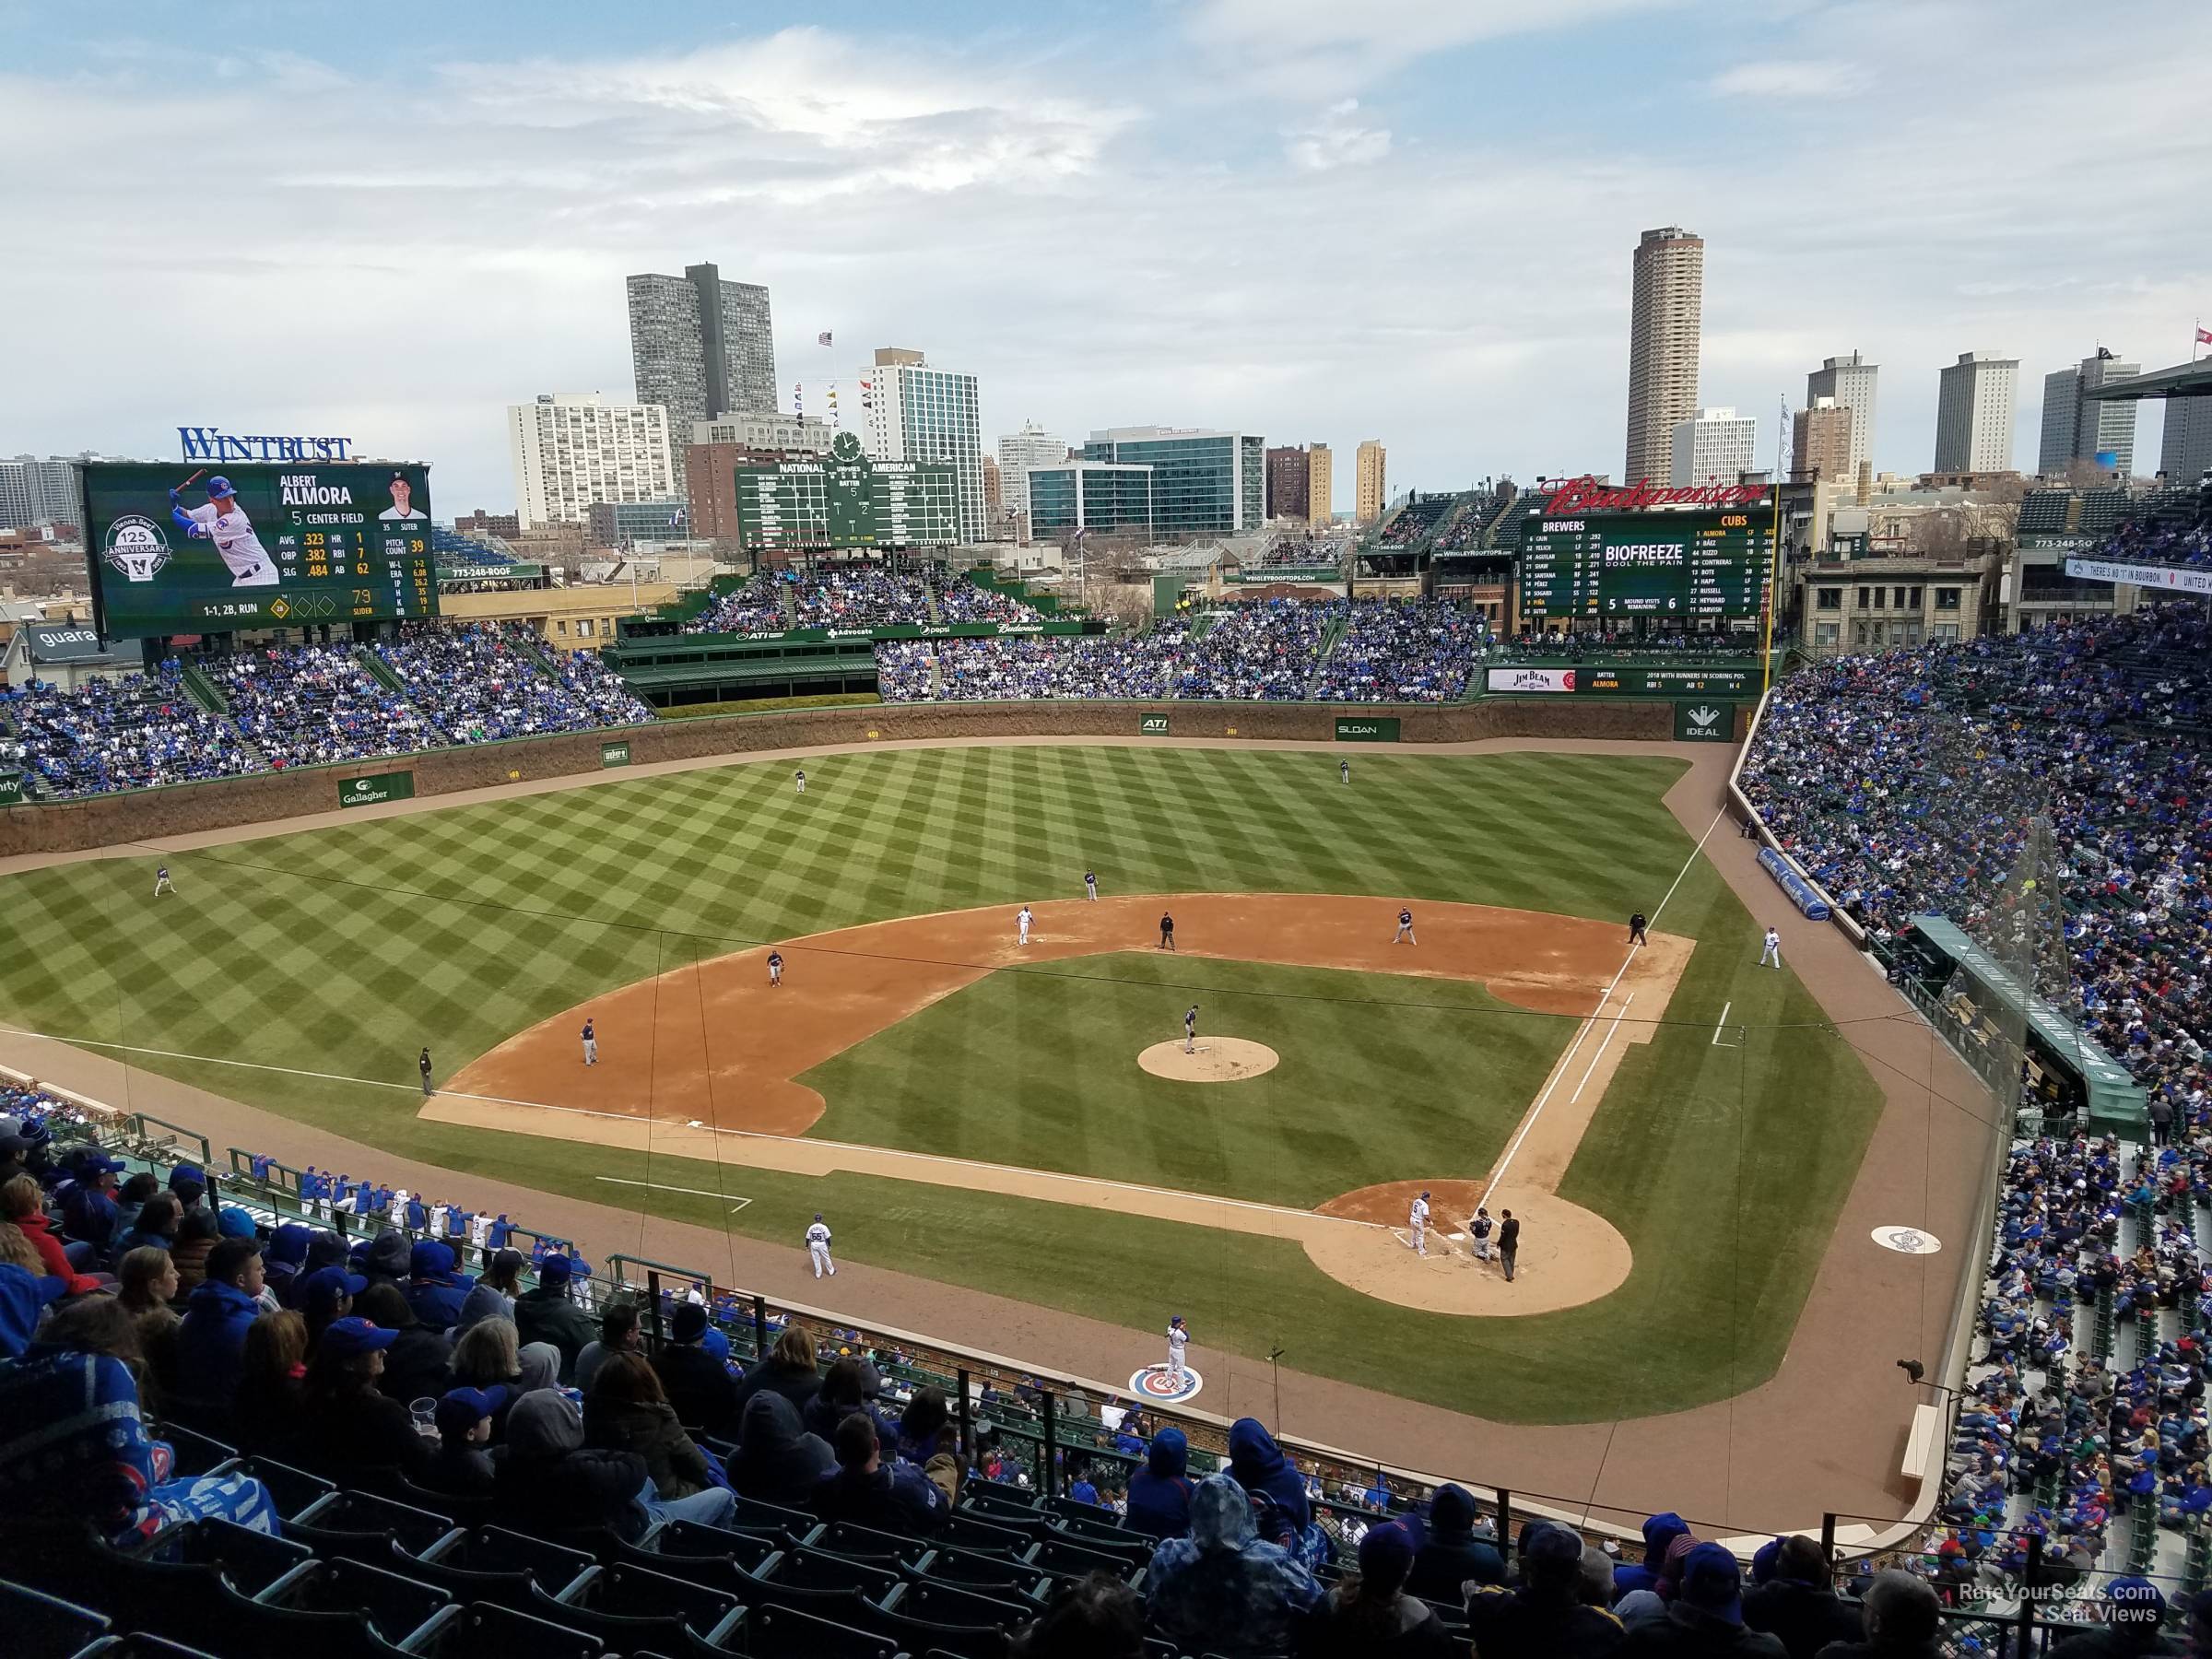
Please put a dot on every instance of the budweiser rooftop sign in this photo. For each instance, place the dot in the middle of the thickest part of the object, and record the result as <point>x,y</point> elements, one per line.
<point>1587,495</point>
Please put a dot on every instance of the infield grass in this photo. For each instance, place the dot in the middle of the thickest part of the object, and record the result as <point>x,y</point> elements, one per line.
<point>327,957</point>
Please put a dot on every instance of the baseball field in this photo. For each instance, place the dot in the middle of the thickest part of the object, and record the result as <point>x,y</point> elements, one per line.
<point>1678,1126</point>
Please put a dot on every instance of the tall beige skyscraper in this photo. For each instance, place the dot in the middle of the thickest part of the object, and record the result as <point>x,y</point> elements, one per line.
<point>1371,488</point>
<point>1321,485</point>
<point>1665,317</point>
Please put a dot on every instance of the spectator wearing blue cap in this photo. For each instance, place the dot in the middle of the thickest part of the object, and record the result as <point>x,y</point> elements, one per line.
<point>211,1344</point>
<point>1368,1615</point>
<point>1544,1617</point>
<point>348,1426</point>
<point>545,1314</point>
<point>460,1466</point>
<point>1903,1619</point>
<point>89,1213</point>
<point>1705,1620</point>
<point>419,1363</point>
<point>2134,1617</point>
<point>326,1295</point>
<point>189,1183</point>
<point>698,1385</point>
<point>285,1258</point>
<point>436,1288</point>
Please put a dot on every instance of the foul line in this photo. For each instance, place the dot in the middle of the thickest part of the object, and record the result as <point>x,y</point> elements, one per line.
<point>661,1186</point>
<point>1720,1024</point>
<point>1603,1043</point>
<point>1584,1030</point>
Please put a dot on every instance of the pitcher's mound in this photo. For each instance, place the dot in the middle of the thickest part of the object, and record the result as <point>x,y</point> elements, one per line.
<point>1218,1060</point>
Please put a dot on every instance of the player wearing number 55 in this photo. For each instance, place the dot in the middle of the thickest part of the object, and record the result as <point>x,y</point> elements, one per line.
<point>223,521</point>
<point>403,502</point>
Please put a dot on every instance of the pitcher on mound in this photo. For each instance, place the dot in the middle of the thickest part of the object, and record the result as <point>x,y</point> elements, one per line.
<point>1178,1340</point>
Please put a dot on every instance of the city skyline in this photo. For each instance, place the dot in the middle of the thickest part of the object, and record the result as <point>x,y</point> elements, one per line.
<point>919,216</point>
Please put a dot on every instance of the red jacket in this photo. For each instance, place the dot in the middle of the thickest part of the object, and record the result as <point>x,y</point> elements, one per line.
<point>37,1227</point>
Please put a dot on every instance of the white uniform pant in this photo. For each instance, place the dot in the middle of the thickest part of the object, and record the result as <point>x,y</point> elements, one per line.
<point>822,1264</point>
<point>1770,957</point>
<point>591,1051</point>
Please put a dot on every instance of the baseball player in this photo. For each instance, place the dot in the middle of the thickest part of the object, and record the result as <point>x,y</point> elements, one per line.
<point>479,1226</point>
<point>1190,1031</point>
<point>818,1246</point>
<point>1090,886</point>
<point>1636,928</point>
<point>1022,921</point>
<point>1343,770</point>
<point>223,521</point>
<point>1178,1340</point>
<point>162,882</point>
<point>1479,1231</point>
<point>591,1043</point>
<point>1404,934</point>
<point>775,967</point>
<point>802,780</point>
<point>1772,956</point>
<point>1167,932</point>
<point>402,509</point>
<point>1419,1220</point>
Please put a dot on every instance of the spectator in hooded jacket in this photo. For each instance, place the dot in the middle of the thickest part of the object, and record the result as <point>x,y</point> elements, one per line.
<point>1222,1590</point>
<point>699,1385</point>
<point>211,1344</point>
<point>626,1411</point>
<point>1259,1466</point>
<point>777,1461</point>
<point>547,1314</point>
<point>285,1258</point>
<point>385,1260</point>
<point>871,1491</point>
<point>850,1385</point>
<point>435,1288</point>
<point>1451,1555</point>
<point>1798,1605</point>
<point>1160,1493</point>
<point>1368,1615</point>
<point>547,1480</point>
<point>1545,1617</point>
<point>1705,1618</point>
<point>1658,1532</point>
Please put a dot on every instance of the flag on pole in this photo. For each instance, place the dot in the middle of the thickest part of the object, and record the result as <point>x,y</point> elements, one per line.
<point>2204,335</point>
<point>822,338</point>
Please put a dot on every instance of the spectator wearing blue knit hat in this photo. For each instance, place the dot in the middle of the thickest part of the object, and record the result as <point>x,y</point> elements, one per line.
<point>1544,1617</point>
<point>545,1314</point>
<point>460,1466</point>
<point>1705,1620</point>
<point>1368,1615</point>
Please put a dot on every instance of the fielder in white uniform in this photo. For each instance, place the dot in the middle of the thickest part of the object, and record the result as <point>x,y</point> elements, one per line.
<point>1178,1339</point>
<point>802,780</point>
<point>162,882</point>
<point>223,521</point>
<point>1772,956</point>
<point>1090,886</point>
<point>818,1246</point>
<point>1022,921</point>
<point>1419,1220</point>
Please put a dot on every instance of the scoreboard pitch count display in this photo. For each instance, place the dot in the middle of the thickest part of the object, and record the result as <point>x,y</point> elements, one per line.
<point>184,549</point>
<point>1674,566</point>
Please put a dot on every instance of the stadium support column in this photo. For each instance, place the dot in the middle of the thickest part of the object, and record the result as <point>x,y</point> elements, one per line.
<point>1766,645</point>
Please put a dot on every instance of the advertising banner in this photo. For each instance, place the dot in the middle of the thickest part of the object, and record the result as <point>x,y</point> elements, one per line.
<point>11,789</point>
<point>2172,580</point>
<point>614,754</point>
<point>1531,679</point>
<point>1366,728</point>
<point>1151,725</point>
<point>1800,891</point>
<point>1705,722</point>
<point>377,788</point>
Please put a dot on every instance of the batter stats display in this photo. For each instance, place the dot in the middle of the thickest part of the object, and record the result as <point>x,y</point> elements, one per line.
<point>1675,566</point>
<point>184,549</point>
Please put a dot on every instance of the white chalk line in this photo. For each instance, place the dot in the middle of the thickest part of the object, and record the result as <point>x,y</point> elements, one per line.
<point>661,1186</point>
<point>1720,1023</point>
<point>1498,1175</point>
<point>1603,1043</point>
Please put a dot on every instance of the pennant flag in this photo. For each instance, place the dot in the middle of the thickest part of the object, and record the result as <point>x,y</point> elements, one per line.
<point>2204,336</point>
<point>822,338</point>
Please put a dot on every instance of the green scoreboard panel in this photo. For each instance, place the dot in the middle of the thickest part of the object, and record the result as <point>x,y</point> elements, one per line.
<point>181,549</point>
<point>847,501</point>
<point>1674,566</point>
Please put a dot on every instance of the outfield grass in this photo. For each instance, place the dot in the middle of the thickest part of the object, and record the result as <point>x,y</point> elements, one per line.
<point>1382,1078</point>
<point>343,950</point>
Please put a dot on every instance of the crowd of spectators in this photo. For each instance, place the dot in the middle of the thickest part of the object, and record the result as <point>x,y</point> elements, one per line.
<point>2180,538</point>
<point>1415,521</point>
<point>960,600</point>
<point>1407,650</point>
<point>302,705</point>
<point>599,695</point>
<point>1411,650</point>
<point>756,606</point>
<point>1597,642</point>
<point>483,682</point>
<point>864,593</point>
<point>126,732</point>
<point>1303,552</point>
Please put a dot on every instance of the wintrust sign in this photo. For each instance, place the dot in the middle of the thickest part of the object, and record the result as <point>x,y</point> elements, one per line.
<point>211,443</point>
<point>1587,495</point>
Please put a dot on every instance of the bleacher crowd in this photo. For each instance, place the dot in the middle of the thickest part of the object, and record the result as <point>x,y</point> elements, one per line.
<point>856,594</point>
<point>306,705</point>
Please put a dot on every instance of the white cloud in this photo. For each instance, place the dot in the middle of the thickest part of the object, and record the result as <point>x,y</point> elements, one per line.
<point>1789,78</point>
<point>1336,139</point>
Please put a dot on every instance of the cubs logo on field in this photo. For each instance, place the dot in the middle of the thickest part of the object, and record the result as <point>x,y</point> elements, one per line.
<point>137,547</point>
<point>1157,1384</point>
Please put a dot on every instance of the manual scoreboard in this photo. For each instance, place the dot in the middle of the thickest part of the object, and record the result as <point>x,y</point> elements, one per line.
<point>178,549</point>
<point>1615,567</point>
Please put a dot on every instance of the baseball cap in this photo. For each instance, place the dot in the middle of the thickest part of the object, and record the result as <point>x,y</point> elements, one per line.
<point>1387,1553</point>
<point>91,1161</point>
<point>23,1296</point>
<point>219,485</point>
<point>690,1322</point>
<point>460,1410</point>
<point>554,1270</point>
<point>322,1287</point>
<point>2144,1602</point>
<point>230,1222</point>
<point>429,1257</point>
<point>352,1334</point>
<point>1713,1583</point>
<point>187,1175</point>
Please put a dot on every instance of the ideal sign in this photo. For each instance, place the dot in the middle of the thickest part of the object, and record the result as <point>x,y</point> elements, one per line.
<point>212,444</point>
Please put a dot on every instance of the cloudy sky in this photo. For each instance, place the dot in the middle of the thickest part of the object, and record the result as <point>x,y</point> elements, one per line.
<point>1332,219</point>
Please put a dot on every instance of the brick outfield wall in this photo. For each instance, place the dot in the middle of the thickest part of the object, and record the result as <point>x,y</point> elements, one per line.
<point>183,809</point>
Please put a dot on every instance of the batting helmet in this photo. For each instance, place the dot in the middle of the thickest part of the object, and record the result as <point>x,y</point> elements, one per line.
<point>218,487</point>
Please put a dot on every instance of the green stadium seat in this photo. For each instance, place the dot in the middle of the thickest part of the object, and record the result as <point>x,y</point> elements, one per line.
<point>994,1497</point>
<point>752,1516</point>
<point>484,1632</point>
<point>443,1564</point>
<point>291,1489</point>
<point>819,1569</point>
<point>706,1555</point>
<point>844,1606</point>
<point>186,1598</point>
<point>628,1607</point>
<point>859,1542</point>
<point>457,1509</point>
<point>988,1575</point>
<point>1073,1558</point>
<point>39,1626</point>
<point>1073,1509</point>
<point>775,1633</point>
<point>363,1527</point>
<point>197,1454</point>
<point>500,1549</point>
<point>970,1531</point>
<point>951,1607</point>
<point>310,1611</point>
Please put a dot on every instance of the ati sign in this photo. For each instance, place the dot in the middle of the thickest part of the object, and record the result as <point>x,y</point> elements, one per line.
<point>1151,725</point>
<point>1378,728</point>
<point>614,754</point>
<point>1704,721</point>
<point>377,788</point>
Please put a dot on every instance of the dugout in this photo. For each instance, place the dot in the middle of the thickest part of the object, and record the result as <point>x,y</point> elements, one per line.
<point>1974,1000</point>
